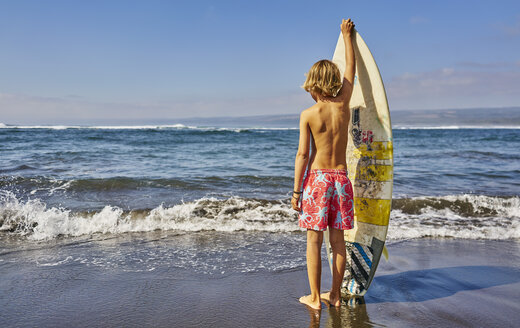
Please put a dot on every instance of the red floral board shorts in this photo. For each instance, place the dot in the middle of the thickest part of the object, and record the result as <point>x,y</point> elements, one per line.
<point>327,200</point>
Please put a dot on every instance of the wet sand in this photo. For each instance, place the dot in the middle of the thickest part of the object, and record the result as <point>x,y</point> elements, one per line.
<point>427,282</point>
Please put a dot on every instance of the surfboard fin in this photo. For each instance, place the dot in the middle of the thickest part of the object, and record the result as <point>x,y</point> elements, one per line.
<point>385,253</point>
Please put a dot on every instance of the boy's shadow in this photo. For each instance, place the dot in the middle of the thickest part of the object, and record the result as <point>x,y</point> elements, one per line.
<point>415,286</point>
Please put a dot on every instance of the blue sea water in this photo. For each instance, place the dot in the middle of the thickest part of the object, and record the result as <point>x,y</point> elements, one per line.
<point>58,181</point>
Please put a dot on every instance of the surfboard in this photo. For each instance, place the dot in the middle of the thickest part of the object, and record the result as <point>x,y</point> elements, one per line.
<point>370,169</point>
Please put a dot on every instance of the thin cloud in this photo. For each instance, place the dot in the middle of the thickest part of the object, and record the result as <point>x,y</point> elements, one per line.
<point>414,20</point>
<point>493,65</point>
<point>510,30</point>
<point>454,88</point>
<point>27,109</point>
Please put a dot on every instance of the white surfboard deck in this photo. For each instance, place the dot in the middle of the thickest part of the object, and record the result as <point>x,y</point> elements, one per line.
<point>370,169</point>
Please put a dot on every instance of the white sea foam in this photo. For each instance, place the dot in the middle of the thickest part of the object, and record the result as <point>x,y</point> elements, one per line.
<point>142,127</point>
<point>455,127</point>
<point>51,127</point>
<point>486,218</point>
<point>465,216</point>
<point>136,127</point>
<point>35,220</point>
<point>98,127</point>
<point>236,129</point>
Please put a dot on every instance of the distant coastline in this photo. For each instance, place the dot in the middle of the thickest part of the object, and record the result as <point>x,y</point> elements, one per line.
<point>505,117</point>
<point>449,118</point>
<point>473,117</point>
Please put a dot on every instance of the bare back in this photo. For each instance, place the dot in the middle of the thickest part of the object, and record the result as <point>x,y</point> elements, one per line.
<point>328,123</point>
<point>324,126</point>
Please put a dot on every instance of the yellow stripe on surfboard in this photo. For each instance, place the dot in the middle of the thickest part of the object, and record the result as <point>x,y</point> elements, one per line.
<point>373,211</point>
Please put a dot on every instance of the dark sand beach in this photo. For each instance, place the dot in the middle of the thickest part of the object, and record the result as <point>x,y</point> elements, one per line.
<point>426,282</point>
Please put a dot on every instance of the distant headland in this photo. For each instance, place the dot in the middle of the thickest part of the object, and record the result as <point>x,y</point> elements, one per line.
<point>471,117</point>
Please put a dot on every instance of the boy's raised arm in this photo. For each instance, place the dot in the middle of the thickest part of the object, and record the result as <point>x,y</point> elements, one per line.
<point>347,26</point>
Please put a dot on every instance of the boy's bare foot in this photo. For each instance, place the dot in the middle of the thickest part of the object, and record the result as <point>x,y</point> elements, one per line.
<point>331,299</point>
<point>307,300</point>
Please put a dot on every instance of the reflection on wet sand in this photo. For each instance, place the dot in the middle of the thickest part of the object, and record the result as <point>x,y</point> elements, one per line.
<point>352,313</point>
<point>315,316</point>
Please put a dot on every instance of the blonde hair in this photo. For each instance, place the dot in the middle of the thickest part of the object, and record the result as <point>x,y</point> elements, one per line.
<point>324,78</point>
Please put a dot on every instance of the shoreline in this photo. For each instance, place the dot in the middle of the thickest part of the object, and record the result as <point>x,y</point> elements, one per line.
<point>431,282</point>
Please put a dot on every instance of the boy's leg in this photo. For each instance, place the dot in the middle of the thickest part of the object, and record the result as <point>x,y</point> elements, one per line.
<point>314,241</point>
<point>337,243</point>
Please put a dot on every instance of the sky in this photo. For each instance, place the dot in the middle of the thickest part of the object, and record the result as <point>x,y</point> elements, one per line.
<point>118,61</point>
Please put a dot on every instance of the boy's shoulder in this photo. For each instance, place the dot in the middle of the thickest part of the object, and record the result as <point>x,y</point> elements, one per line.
<point>311,111</point>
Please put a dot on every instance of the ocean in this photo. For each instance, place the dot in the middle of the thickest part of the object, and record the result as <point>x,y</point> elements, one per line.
<point>63,181</point>
<point>213,201</point>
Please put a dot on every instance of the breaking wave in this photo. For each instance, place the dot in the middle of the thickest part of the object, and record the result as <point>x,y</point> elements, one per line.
<point>34,220</point>
<point>454,127</point>
<point>460,216</point>
<point>177,126</point>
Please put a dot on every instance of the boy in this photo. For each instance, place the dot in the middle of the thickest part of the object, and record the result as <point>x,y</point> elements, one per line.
<point>327,192</point>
